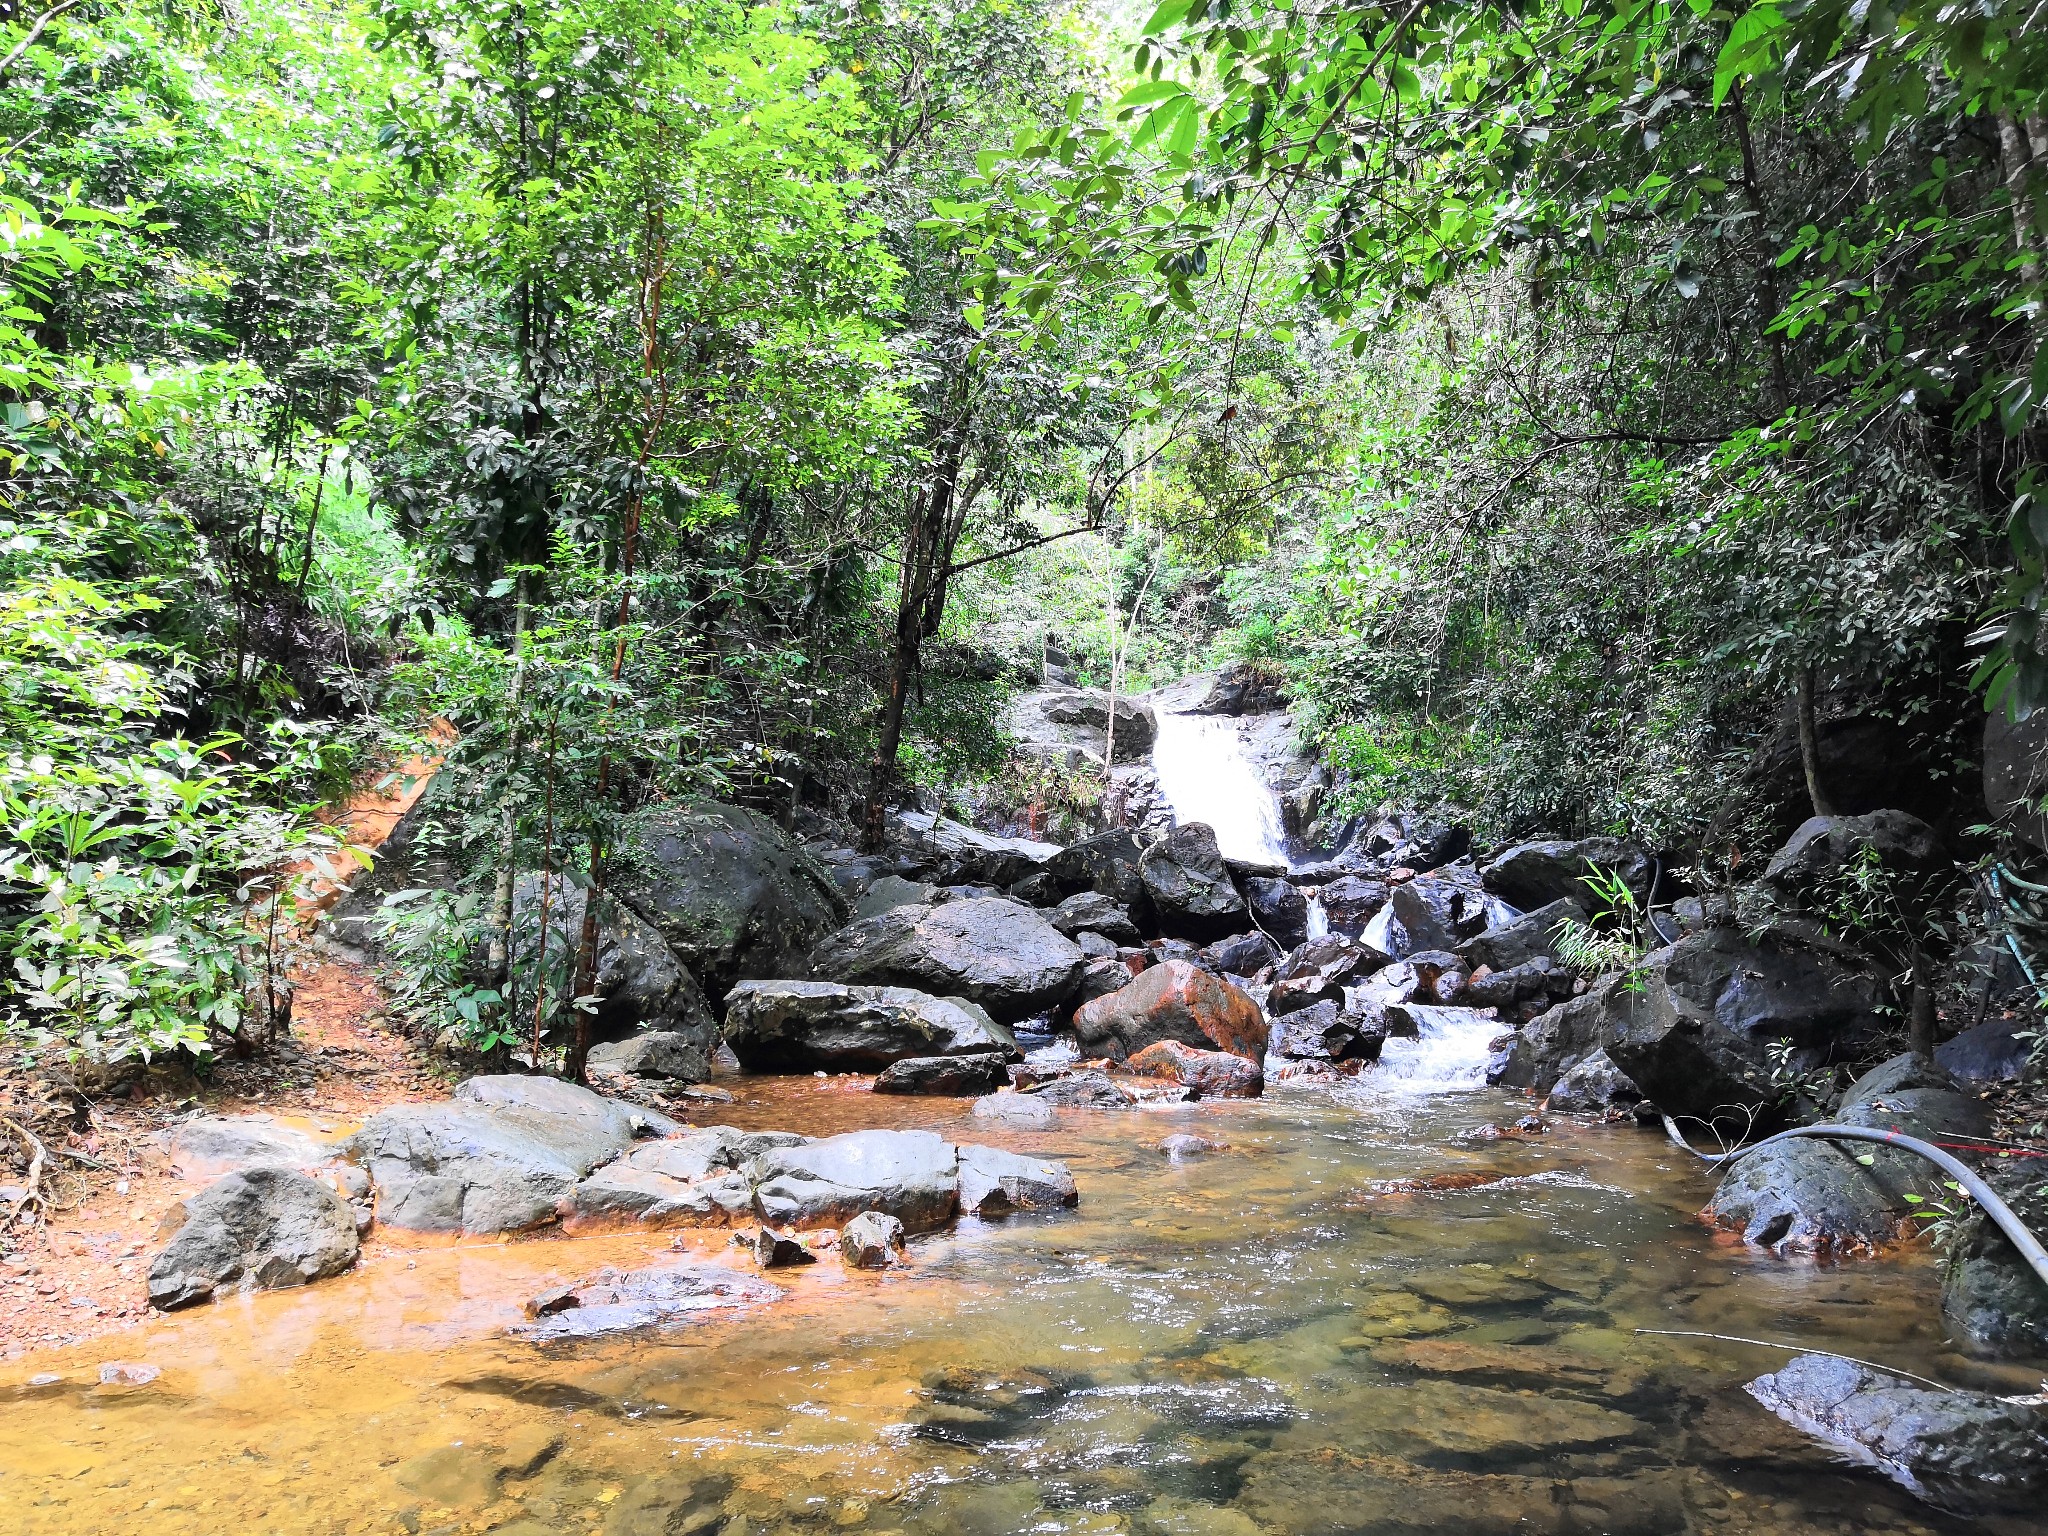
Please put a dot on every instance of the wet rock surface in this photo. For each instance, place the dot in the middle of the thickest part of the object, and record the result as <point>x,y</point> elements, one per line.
<point>1188,886</point>
<point>999,954</point>
<point>1992,1302</point>
<point>1212,1074</point>
<point>663,1296</point>
<point>994,1182</point>
<point>807,1026</point>
<point>261,1229</point>
<point>911,1175</point>
<point>957,1076</point>
<point>210,1145</point>
<point>1967,1450</point>
<point>871,1241</point>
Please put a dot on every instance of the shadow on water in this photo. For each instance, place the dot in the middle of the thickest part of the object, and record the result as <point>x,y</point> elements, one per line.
<point>1354,1319</point>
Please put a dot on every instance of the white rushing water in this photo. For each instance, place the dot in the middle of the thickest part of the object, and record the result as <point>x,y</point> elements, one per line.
<point>1445,1058</point>
<point>1206,776</point>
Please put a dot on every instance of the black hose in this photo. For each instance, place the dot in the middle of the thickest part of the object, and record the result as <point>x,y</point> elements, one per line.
<point>2000,1213</point>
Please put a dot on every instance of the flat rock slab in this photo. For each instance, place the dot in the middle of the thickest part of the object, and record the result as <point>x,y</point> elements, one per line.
<point>911,1175</point>
<point>667,1296</point>
<point>1965,1450</point>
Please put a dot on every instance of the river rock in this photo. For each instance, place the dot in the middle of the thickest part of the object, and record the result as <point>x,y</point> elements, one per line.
<point>1037,889</point>
<point>210,1145</point>
<point>1108,864</point>
<point>1419,915</point>
<point>656,1054</point>
<point>887,892</point>
<point>1172,1001</point>
<point>666,1295</point>
<point>1278,907</point>
<point>1836,1198</point>
<point>622,1193</point>
<point>1182,1145</point>
<point>958,854</point>
<point>1244,954</point>
<point>1594,1083</point>
<point>1823,846</point>
<point>995,1183</point>
<point>824,1026</point>
<point>872,1240</point>
<point>1991,1300</point>
<point>1996,1051</point>
<point>1212,1074</point>
<point>1531,875</point>
<point>1532,936</point>
<point>1090,1088</point>
<point>642,985</point>
<point>1188,886</point>
<point>1093,912</point>
<point>958,1076</point>
<point>1026,1112</point>
<point>501,1156</point>
<point>774,1249</point>
<point>261,1229</point>
<point>1534,980</point>
<point>732,893</point>
<point>1319,971</point>
<point>1110,974</point>
<point>1326,1032</point>
<point>1693,1025</point>
<point>999,954</point>
<point>1351,902</point>
<point>1966,1450</point>
<point>1094,947</point>
<point>911,1175</point>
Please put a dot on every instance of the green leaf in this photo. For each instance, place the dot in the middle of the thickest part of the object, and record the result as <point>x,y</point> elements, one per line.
<point>1168,13</point>
<point>1150,91</point>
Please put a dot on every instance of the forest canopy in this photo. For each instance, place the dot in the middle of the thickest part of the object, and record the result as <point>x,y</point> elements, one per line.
<point>1608,417</point>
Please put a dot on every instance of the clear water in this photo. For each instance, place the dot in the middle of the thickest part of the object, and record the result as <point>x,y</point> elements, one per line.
<point>1357,1318</point>
<point>1206,776</point>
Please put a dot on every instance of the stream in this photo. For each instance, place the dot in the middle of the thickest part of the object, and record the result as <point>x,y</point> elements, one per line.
<point>1371,1310</point>
<point>1284,1336</point>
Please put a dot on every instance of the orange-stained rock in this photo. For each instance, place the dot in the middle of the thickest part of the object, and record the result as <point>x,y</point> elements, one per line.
<point>1213,1074</point>
<point>1174,1000</point>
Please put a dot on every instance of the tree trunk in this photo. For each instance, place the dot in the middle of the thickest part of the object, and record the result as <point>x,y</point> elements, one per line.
<point>1809,746</point>
<point>508,837</point>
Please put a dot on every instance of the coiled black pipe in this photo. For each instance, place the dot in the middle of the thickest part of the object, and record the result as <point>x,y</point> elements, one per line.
<point>2000,1213</point>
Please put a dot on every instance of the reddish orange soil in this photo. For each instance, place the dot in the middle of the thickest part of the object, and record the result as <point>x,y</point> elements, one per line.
<point>80,1273</point>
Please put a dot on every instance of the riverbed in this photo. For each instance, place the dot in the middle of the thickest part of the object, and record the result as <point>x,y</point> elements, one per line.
<point>1357,1316</point>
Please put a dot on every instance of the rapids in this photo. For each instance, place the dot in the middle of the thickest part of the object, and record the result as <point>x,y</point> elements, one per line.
<point>1357,1318</point>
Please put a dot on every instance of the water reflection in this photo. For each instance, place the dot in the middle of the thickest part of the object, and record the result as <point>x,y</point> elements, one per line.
<point>1274,1338</point>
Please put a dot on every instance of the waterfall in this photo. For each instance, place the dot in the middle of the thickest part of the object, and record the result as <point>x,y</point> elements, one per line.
<point>1205,776</point>
<point>1450,1055</point>
<point>1318,919</point>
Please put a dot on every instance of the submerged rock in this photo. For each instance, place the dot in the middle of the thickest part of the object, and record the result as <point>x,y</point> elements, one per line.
<point>261,1229</point>
<point>664,1296</point>
<point>810,1026</point>
<point>1174,1000</point>
<point>1964,1450</point>
<point>1025,1111</point>
<point>996,953</point>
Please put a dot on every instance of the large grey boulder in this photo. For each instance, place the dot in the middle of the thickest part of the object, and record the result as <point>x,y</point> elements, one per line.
<point>999,954</point>
<point>500,1157</point>
<point>733,894</point>
<point>641,985</point>
<point>1522,939</point>
<point>1136,724</point>
<point>1188,886</point>
<point>958,854</point>
<point>1326,1031</point>
<point>260,1229</point>
<point>1838,1198</point>
<point>1108,864</point>
<point>888,891</point>
<point>1417,918</point>
<point>911,1175</point>
<point>657,1054</point>
<point>1278,907</point>
<point>1531,875</point>
<point>1968,1451</point>
<point>622,1193</point>
<point>813,1026</point>
<point>1823,846</point>
<point>1594,1083</point>
<point>1093,912</point>
<point>1695,1024</point>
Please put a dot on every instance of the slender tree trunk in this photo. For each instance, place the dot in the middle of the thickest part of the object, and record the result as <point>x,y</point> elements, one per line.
<point>313,523</point>
<point>1920,1009</point>
<point>508,835</point>
<point>547,893</point>
<point>1809,745</point>
<point>1767,266</point>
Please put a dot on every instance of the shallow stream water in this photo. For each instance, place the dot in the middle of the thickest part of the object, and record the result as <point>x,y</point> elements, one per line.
<point>1285,1336</point>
